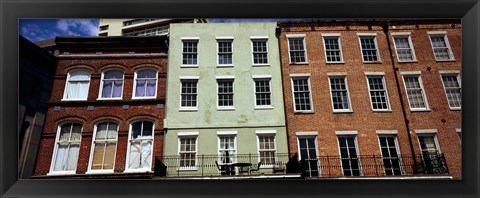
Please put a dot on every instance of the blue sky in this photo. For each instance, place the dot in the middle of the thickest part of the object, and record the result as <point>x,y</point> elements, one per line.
<point>41,29</point>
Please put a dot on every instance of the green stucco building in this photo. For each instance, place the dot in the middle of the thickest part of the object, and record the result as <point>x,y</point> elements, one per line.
<point>225,99</point>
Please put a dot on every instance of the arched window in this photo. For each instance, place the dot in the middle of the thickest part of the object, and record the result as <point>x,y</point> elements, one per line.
<point>67,147</point>
<point>112,84</point>
<point>102,158</point>
<point>140,146</point>
<point>77,85</point>
<point>145,84</point>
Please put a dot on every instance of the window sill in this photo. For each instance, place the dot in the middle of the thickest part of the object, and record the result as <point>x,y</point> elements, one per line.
<point>74,99</point>
<point>342,111</point>
<point>407,61</point>
<point>339,62</point>
<point>263,107</point>
<point>304,112</point>
<point>372,62</point>
<point>225,65</point>
<point>420,110</point>
<point>300,63</point>
<point>456,108</point>
<point>138,171</point>
<point>261,65</point>
<point>62,173</point>
<point>99,172</point>
<point>382,111</point>
<point>188,66</point>
<point>226,108</point>
<point>186,109</point>
<point>187,169</point>
<point>451,60</point>
<point>109,98</point>
<point>144,98</point>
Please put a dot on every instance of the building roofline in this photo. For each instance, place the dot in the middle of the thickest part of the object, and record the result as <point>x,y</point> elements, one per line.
<point>343,22</point>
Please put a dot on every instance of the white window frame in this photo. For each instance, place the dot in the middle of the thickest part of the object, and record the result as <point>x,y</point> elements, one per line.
<point>127,159</point>
<point>224,39</point>
<point>101,85</point>
<point>187,108</point>
<point>309,134</point>
<point>410,43</point>
<point>267,133</point>
<point>374,35</point>
<point>390,133</point>
<point>332,36</point>
<point>190,39</point>
<point>233,155</point>
<point>447,43</point>
<point>451,73</point>
<point>297,36</point>
<point>92,149</point>
<point>232,78</point>
<point>135,84</point>
<point>67,83</point>
<point>418,75</point>
<point>187,135</point>
<point>262,77</point>
<point>459,133</point>
<point>307,76</point>
<point>353,134</point>
<point>344,76</point>
<point>55,150</point>
<point>428,132</point>
<point>259,39</point>
<point>378,74</point>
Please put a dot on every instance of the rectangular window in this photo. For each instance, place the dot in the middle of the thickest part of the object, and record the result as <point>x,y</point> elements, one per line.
<point>378,93</point>
<point>333,50</point>
<point>263,93</point>
<point>225,53</point>
<point>390,155</point>
<point>260,51</point>
<point>140,146</point>
<point>415,93</point>
<point>349,156</point>
<point>369,48</point>
<point>301,93</point>
<point>226,150</point>
<point>77,86</point>
<point>404,48</point>
<point>428,145</point>
<point>187,152</point>
<point>67,148</point>
<point>339,92</point>
<point>453,91</point>
<point>188,94</point>
<point>297,50</point>
<point>267,149</point>
<point>225,93</point>
<point>190,52</point>
<point>145,84</point>
<point>104,145</point>
<point>112,84</point>
<point>441,47</point>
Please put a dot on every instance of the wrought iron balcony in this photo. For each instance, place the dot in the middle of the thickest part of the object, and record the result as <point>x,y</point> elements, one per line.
<point>283,163</point>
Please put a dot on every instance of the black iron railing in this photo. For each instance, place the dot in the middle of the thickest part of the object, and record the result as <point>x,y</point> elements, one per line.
<point>282,163</point>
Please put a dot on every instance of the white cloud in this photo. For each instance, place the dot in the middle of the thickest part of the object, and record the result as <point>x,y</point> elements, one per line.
<point>78,27</point>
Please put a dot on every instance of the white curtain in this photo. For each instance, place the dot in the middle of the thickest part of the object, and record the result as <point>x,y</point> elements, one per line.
<point>78,85</point>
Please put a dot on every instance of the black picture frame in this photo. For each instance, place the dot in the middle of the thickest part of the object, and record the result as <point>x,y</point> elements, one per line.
<point>12,11</point>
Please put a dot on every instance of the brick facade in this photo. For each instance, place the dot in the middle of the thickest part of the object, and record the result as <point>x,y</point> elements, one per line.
<point>116,53</point>
<point>362,118</point>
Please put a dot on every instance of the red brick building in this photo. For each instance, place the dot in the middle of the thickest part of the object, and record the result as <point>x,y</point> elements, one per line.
<point>346,105</point>
<point>105,115</point>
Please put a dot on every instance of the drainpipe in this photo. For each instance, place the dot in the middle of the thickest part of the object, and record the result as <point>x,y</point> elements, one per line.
<point>386,24</point>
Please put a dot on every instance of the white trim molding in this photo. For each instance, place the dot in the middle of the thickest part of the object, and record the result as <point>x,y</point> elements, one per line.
<point>190,38</point>
<point>387,132</point>
<point>262,132</point>
<point>401,33</point>
<point>258,37</point>
<point>262,76</point>
<point>411,72</point>
<point>225,77</point>
<point>188,77</point>
<point>423,131</point>
<point>449,72</point>
<point>374,73</point>
<point>436,32</point>
<point>330,34</point>
<point>295,35</point>
<point>366,34</point>
<point>224,37</point>
<point>300,75</point>
<point>346,132</point>
<point>336,73</point>
<point>458,130</point>
<point>307,133</point>
<point>227,132</point>
<point>195,133</point>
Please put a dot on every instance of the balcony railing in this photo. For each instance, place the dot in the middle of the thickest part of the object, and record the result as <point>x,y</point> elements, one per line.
<point>282,163</point>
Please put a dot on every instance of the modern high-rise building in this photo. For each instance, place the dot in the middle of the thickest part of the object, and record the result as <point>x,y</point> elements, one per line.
<point>139,27</point>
